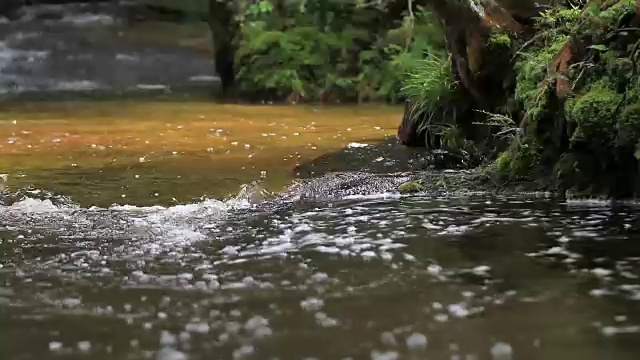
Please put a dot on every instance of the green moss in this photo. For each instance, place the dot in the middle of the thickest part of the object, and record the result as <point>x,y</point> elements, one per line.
<point>629,125</point>
<point>614,13</point>
<point>532,69</point>
<point>593,114</point>
<point>518,162</point>
<point>499,39</point>
<point>410,187</point>
<point>503,163</point>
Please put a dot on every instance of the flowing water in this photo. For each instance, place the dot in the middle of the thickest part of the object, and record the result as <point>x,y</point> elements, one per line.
<point>118,269</point>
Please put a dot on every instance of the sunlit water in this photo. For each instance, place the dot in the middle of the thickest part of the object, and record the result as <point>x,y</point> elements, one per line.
<point>353,277</point>
<point>155,152</point>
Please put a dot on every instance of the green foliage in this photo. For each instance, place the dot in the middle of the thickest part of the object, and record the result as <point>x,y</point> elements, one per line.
<point>554,28</point>
<point>428,86</point>
<point>612,15</point>
<point>628,127</point>
<point>328,50</point>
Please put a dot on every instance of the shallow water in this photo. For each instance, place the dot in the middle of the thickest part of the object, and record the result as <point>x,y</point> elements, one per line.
<point>360,277</point>
<point>382,278</point>
<point>163,152</point>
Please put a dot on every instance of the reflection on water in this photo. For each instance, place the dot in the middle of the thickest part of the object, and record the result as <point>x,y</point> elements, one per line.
<point>370,278</point>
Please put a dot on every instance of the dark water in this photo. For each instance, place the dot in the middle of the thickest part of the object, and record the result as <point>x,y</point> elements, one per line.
<point>371,277</point>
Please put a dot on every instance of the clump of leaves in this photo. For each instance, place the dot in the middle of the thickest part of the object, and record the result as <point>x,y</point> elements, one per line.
<point>328,50</point>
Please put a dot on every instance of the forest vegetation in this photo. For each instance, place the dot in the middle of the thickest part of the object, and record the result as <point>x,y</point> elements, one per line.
<point>543,91</point>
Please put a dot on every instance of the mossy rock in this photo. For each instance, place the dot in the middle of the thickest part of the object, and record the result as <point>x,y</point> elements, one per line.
<point>612,15</point>
<point>518,162</point>
<point>629,125</point>
<point>410,187</point>
<point>593,114</point>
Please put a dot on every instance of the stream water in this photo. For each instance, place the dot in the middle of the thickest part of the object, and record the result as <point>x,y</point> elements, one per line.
<point>128,266</point>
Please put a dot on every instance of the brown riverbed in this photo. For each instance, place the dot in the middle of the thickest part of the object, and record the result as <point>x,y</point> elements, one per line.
<point>151,152</point>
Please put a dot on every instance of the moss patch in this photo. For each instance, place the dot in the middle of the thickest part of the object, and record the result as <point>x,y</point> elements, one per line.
<point>410,187</point>
<point>594,114</point>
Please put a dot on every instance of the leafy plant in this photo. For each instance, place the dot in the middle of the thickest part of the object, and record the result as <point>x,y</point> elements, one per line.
<point>328,50</point>
<point>428,86</point>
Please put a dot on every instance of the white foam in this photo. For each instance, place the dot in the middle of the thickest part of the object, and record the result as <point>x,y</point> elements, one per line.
<point>29,205</point>
<point>386,195</point>
<point>152,87</point>
<point>87,19</point>
<point>78,85</point>
<point>10,55</point>
<point>204,78</point>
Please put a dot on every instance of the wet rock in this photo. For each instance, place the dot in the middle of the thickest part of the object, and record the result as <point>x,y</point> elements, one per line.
<point>342,185</point>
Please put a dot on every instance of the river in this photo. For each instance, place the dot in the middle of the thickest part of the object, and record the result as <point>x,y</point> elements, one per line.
<point>137,241</point>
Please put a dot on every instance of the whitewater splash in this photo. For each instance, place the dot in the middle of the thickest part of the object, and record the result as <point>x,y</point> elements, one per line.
<point>152,230</point>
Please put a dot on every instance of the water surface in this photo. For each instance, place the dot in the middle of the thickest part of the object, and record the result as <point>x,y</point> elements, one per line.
<point>369,276</point>
<point>152,152</point>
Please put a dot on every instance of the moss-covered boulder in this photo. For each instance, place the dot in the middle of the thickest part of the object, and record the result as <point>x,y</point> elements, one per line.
<point>410,187</point>
<point>594,115</point>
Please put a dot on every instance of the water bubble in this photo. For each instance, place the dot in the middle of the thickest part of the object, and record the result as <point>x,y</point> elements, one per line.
<point>170,354</point>
<point>167,338</point>
<point>600,272</point>
<point>197,327</point>
<point>389,355</point>
<point>458,310</point>
<point>501,351</point>
<point>84,346</point>
<point>320,277</point>
<point>620,318</point>
<point>416,342</point>
<point>441,317</point>
<point>481,270</point>
<point>55,346</point>
<point>368,255</point>
<point>388,339</point>
<point>71,302</point>
<point>243,352</point>
<point>323,320</point>
<point>434,269</point>
<point>312,304</point>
